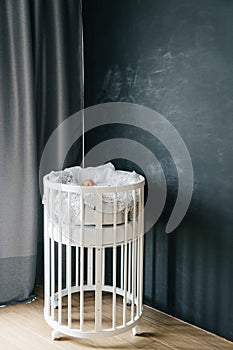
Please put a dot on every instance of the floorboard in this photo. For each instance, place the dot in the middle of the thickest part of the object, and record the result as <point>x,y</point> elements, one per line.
<point>23,327</point>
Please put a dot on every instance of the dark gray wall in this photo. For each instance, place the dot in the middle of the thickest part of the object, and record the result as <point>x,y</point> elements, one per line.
<point>175,57</point>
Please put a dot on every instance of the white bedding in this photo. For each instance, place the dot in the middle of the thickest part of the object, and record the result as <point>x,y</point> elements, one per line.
<point>104,175</point>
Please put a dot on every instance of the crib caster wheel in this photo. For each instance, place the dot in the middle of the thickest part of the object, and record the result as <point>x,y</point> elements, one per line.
<point>136,330</point>
<point>56,335</point>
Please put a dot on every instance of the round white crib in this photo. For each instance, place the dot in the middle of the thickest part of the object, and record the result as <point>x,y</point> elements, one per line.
<point>93,258</point>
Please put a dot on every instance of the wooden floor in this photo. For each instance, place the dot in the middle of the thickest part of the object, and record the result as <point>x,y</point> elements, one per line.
<point>23,327</point>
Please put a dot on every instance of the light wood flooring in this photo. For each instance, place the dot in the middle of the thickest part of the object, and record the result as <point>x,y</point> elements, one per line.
<point>23,327</point>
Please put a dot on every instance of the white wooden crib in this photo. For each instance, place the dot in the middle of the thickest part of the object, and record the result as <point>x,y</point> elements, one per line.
<point>93,262</point>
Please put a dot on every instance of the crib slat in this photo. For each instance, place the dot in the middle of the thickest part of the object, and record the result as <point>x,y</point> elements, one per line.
<point>90,265</point>
<point>139,280</point>
<point>81,263</point>
<point>60,261</point>
<point>125,263</point>
<point>59,282</point>
<point>134,255</point>
<point>103,266</point>
<point>69,219</point>
<point>52,247</point>
<point>133,279</point>
<point>68,263</point>
<point>81,219</point>
<point>81,288</point>
<point>77,266</point>
<point>60,215</point>
<point>98,292</point>
<point>138,274</point>
<point>114,265</point>
<point>141,246</point>
<point>98,265</point>
<point>114,288</point>
<point>47,253</point>
<point>52,278</point>
<point>133,259</point>
<point>50,211</point>
<point>122,263</point>
<point>125,283</point>
<point>129,268</point>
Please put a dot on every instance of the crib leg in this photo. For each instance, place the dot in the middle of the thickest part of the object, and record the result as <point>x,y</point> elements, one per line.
<point>128,302</point>
<point>136,330</point>
<point>55,335</point>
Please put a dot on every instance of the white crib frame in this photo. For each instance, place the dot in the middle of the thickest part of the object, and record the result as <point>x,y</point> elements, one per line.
<point>129,236</point>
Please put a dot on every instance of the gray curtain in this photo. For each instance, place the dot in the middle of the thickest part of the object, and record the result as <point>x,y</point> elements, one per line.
<point>40,86</point>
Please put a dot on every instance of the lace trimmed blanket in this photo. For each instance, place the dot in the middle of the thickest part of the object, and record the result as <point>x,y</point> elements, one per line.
<point>104,175</point>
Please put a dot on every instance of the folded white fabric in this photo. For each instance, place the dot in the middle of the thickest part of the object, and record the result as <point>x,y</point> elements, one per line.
<point>103,175</point>
<point>99,174</point>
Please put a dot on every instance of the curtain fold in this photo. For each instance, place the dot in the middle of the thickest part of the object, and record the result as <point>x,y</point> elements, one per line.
<point>18,205</point>
<point>40,86</point>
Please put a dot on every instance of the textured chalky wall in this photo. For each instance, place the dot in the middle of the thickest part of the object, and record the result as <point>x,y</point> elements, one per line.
<point>175,57</point>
